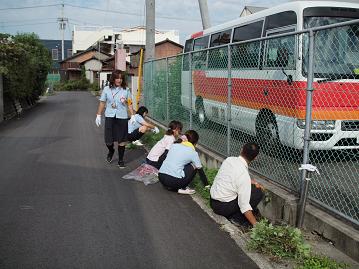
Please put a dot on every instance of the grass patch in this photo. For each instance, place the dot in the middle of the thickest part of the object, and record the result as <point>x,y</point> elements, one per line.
<point>320,262</point>
<point>278,241</point>
<point>150,139</point>
<point>286,242</point>
<point>198,185</point>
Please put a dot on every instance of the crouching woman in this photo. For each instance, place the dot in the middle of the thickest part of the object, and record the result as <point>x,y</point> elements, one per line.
<point>138,126</point>
<point>181,165</point>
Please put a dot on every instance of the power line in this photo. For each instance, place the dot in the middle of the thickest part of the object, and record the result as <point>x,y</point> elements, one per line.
<point>27,24</point>
<point>16,21</point>
<point>11,8</point>
<point>130,13</point>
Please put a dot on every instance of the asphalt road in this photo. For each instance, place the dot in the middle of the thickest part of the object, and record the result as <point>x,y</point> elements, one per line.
<point>63,206</point>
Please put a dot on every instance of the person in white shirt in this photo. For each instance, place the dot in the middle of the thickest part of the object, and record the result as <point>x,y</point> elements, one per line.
<point>158,153</point>
<point>233,194</point>
<point>137,126</point>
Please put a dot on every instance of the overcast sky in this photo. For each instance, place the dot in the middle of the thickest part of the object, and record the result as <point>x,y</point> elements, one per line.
<point>181,15</point>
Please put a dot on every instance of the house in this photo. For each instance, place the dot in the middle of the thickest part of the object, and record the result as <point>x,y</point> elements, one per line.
<point>109,66</point>
<point>163,49</point>
<point>90,60</point>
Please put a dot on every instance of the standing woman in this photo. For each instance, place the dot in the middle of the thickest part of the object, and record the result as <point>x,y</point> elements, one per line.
<point>117,99</point>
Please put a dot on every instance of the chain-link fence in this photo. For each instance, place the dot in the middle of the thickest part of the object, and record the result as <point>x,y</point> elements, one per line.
<point>267,90</point>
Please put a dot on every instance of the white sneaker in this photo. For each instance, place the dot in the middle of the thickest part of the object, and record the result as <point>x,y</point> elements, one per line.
<point>186,191</point>
<point>137,143</point>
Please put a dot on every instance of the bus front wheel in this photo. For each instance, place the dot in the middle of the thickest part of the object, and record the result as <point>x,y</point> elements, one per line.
<point>267,130</point>
<point>201,113</point>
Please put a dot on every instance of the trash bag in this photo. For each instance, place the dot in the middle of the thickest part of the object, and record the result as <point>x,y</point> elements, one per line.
<point>145,173</point>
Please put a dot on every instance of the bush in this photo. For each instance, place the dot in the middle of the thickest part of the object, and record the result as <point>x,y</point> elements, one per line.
<point>73,85</point>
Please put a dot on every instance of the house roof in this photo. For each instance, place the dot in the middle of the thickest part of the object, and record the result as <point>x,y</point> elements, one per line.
<point>158,44</point>
<point>169,41</point>
<point>98,55</point>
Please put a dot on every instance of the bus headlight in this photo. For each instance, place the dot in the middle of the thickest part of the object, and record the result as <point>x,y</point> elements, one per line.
<point>318,124</point>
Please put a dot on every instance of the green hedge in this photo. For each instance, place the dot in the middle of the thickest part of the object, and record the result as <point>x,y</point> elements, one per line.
<point>24,63</point>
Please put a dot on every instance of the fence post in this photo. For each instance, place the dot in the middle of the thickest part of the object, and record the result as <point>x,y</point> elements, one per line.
<point>151,99</point>
<point>190,90</point>
<point>229,101</point>
<point>1,99</point>
<point>308,120</point>
<point>167,91</point>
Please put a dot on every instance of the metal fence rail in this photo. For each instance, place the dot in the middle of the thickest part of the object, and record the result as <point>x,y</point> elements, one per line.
<point>266,90</point>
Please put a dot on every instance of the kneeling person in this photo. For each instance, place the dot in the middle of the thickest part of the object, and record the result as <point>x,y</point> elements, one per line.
<point>181,165</point>
<point>233,194</point>
<point>137,126</point>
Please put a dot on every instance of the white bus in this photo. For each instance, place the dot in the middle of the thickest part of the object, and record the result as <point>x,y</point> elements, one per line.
<point>269,76</point>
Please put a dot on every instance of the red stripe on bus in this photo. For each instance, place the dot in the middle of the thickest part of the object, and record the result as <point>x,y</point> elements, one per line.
<point>331,100</point>
<point>198,34</point>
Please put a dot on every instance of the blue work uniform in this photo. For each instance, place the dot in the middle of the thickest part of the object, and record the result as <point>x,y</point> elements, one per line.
<point>117,100</point>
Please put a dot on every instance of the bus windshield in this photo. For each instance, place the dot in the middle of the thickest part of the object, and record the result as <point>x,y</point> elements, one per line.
<point>336,50</point>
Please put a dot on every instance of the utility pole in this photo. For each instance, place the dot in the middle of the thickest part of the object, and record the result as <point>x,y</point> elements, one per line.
<point>204,14</point>
<point>62,21</point>
<point>150,30</point>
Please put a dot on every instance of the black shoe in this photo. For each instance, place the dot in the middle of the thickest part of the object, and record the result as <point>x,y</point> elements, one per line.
<point>121,164</point>
<point>109,157</point>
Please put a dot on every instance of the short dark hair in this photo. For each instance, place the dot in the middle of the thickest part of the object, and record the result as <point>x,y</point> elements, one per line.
<point>173,125</point>
<point>192,136</point>
<point>142,110</point>
<point>115,75</point>
<point>250,151</point>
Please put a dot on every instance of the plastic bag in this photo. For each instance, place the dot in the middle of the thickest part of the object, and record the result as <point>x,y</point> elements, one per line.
<point>145,173</point>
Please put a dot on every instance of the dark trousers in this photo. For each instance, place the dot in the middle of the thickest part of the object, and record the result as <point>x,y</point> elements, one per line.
<point>160,160</point>
<point>231,209</point>
<point>174,183</point>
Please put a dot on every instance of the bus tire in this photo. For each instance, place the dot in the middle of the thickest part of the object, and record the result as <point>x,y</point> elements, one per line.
<point>201,113</point>
<point>267,130</point>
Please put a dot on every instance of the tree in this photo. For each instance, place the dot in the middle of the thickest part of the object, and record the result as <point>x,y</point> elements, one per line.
<point>25,63</point>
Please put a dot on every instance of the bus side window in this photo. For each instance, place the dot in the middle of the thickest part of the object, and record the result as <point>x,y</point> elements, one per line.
<point>246,55</point>
<point>187,48</point>
<point>199,58</point>
<point>280,52</point>
<point>218,58</point>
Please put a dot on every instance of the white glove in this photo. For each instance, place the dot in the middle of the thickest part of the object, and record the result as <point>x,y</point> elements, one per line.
<point>133,119</point>
<point>155,130</point>
<point>98,120</point>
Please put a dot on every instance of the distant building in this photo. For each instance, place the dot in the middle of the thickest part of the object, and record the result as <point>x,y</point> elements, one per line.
<point>105,39</point>
<point>91,60</point>
<point>164,48</point>
<point>248,10</point>
<point>54,47</point>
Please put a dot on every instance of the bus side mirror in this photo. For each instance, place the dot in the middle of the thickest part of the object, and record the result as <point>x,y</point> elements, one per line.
<point>289,77</point>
